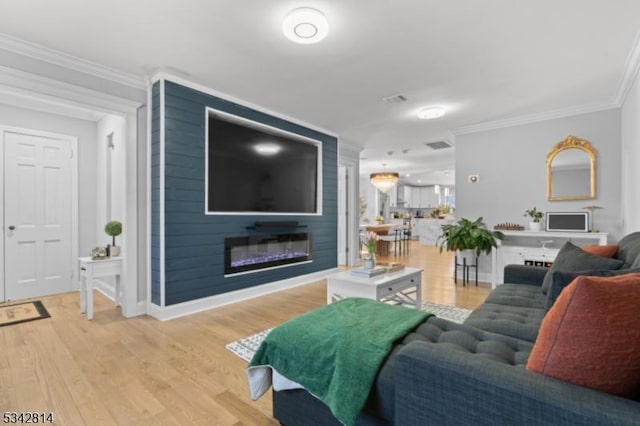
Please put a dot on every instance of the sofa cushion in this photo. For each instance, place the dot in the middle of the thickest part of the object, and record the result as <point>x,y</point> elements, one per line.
<point>515,321</point>
<point>528,296</point>
<point>591,336</point>
<point>461,337</point>
<point>562,279</point>
<point>629,250</point>
<point>458,337</point>
<point>609,250</point>
<point>572,258</point>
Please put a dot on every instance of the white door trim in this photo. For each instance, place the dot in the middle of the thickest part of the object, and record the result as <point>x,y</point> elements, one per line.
<point>73,140</point>
<point>348,156</point>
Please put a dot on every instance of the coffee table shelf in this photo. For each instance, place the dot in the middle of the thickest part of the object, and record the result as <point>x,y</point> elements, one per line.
<point>401,287</point>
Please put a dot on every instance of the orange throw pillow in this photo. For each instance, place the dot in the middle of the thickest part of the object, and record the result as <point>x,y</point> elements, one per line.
<point>604,251</point>
<point>591,335</point>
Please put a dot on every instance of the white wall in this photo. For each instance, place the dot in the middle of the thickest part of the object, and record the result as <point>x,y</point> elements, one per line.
<point>110,124</point>
<point>371,196</point>
<point>511,163</point>
<point>85,131</point>
<point>631,160</point>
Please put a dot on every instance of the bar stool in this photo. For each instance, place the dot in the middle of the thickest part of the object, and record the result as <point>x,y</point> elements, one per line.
<point>390,239</point>
<point>406,238</point>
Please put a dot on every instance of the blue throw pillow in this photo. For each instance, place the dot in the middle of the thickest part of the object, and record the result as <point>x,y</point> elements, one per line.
<point>572,258</point>
<point>562,279</point>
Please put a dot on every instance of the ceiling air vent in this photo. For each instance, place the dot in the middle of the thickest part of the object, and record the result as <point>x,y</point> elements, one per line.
<point>395,99</point>
<point>438,145</point>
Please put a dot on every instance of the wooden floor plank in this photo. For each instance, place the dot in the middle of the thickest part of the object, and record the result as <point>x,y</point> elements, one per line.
<point>119,371</point>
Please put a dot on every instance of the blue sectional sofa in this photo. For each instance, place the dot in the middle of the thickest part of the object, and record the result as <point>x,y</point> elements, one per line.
<point>474,373</point>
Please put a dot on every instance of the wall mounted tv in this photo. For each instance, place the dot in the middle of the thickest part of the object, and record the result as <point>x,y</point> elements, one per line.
<point>253,168</point>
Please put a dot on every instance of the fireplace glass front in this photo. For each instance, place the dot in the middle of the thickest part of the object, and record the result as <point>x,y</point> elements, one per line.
<point>244,254</point>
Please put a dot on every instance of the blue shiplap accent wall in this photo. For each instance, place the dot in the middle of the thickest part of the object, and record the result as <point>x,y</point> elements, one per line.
<point>155,195</point>
<point>194,242</point>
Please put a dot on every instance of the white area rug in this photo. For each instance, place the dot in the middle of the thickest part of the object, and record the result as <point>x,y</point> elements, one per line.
<point>245,348</point>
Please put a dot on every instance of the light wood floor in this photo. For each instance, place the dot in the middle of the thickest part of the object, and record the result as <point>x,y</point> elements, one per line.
<point>139,371</point>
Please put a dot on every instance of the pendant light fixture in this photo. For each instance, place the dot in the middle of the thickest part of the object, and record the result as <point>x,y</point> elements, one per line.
<point>384,180</point>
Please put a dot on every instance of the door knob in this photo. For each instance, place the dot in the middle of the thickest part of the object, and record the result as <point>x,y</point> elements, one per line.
<point>11,228</point>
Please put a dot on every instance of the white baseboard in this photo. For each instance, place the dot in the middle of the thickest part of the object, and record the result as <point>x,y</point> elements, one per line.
<point>141,308</point>
<point>194,306</point>
<point>109,292</point>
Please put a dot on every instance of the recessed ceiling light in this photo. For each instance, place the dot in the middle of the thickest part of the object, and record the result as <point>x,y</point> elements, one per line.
<point>429,113</point>
<point>305,25</point>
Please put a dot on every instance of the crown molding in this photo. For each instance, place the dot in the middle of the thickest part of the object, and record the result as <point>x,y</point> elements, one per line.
<point>28,100</point>
<point>632,67</point>
<point>165,76</point>
<point>71,62</point>
<point>30,87</point>
<point>533,118</point>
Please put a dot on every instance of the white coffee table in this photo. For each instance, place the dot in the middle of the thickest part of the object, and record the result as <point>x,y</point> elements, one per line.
<point>402,287</point>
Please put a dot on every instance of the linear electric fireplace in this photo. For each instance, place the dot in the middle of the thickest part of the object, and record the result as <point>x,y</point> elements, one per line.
<point>245,254</point>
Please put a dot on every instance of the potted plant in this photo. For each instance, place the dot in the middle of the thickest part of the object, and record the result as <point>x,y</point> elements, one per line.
<point>470,238</point>
<point>370,243</point>
<point>535,216</point>
<point>113,229</point>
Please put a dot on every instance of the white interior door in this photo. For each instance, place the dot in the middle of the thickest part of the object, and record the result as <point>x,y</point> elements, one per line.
<point>37,214</point>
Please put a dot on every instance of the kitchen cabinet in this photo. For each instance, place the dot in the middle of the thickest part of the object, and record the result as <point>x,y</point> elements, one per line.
<point>423,197</point>
<point>404,196</point>
<point>415,197</point>
<point>393,197</point>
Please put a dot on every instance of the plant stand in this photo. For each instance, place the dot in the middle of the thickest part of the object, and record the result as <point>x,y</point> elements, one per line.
<point>465,270</point>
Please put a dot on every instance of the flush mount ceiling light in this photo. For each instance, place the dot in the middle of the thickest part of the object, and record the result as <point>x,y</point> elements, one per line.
<point>429,113</point>
<point>305,25</point>
<point>384,181</point>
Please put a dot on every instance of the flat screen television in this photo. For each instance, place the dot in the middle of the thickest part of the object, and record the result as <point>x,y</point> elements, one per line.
<point>253,168</point>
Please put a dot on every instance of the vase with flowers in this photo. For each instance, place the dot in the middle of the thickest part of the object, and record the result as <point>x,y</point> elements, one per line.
<point>371,240</point>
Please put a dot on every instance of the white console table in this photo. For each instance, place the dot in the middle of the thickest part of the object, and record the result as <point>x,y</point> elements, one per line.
<point>534,250</point>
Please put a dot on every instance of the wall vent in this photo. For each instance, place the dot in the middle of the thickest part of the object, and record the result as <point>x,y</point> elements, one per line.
<point>395,99</point>
<point>438,145</point>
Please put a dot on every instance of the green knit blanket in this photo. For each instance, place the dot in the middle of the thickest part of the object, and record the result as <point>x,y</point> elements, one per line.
<point>334,352</point>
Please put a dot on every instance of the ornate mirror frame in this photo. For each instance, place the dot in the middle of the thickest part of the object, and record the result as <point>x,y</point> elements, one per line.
<point>571,142</point>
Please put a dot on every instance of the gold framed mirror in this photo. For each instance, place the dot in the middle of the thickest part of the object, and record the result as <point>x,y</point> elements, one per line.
<point>571,170</point>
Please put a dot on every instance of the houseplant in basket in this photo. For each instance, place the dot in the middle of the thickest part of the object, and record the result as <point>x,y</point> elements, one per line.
<point>469,238</point>
<point>535,216</point>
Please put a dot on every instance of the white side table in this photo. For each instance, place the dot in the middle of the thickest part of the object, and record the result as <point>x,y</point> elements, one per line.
<point>90,269</point>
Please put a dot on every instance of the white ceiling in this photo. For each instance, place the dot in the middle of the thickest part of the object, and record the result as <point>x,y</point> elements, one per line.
<point>483,60</point>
